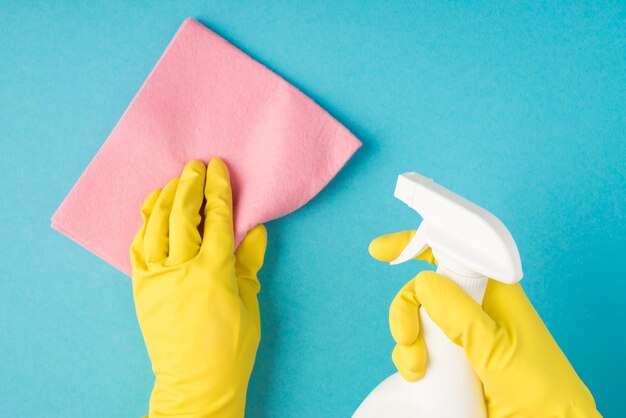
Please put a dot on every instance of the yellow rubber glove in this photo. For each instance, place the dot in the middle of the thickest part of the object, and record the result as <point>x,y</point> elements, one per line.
<point>196,299</point>
<point>523,370</point>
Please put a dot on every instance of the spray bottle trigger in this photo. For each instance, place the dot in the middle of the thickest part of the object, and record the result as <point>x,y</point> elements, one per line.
<point>415,247</point>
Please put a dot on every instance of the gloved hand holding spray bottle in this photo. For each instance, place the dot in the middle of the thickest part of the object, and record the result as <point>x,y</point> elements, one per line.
<point>504,347</point>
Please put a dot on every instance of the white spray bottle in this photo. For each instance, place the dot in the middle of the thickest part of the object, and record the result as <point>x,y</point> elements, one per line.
<point>470,245</point>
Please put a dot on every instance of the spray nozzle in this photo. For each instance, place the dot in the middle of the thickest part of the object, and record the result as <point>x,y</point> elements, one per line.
<point>461,234</point>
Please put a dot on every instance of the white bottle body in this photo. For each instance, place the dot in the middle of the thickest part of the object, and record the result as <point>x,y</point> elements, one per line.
<point>449,388</point>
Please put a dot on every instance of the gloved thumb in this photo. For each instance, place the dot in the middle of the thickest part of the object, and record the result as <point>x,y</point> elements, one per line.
<point>248,261</point>
<point>462,320</point>
<point>250,256</point>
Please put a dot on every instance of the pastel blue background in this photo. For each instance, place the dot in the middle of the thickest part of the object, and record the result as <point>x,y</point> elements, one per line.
<point>520,108</point>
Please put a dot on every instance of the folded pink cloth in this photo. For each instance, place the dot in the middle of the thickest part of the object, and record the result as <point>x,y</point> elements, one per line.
<point>205,98</point>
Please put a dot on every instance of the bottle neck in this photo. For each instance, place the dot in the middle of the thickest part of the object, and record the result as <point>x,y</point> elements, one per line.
<point>474,284</point>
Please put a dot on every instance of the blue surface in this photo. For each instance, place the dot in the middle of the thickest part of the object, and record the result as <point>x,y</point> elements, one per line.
<point>519,108</point>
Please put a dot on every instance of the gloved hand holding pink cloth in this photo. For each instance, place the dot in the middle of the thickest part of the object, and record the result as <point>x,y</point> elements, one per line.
<point>205,98</point>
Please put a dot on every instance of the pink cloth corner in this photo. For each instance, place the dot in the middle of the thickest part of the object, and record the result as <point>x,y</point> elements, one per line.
<point>205,98</point>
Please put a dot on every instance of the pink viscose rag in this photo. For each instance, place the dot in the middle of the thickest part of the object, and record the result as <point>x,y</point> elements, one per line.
<point>205,98</point>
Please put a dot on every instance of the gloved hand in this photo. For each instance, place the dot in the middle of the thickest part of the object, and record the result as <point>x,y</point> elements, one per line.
<point>195,297</point>
<point>523,371</point>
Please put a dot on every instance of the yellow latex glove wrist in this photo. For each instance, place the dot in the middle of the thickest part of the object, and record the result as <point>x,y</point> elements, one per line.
<point>196,299</point>
<point>523,370</point>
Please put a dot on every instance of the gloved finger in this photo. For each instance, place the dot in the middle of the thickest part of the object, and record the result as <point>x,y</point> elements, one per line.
<point>156,239</point>
<point>462,320</point>
<point>388,247</point>
<point>404,319</point>
<point>184,236</point>
<point>410,360</point>
<point>249,260</point>
<point>218,212</point>
<point>503,301</point>
<point>137,256</point>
